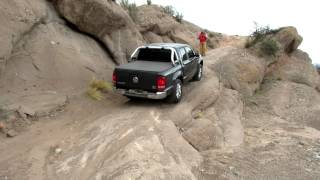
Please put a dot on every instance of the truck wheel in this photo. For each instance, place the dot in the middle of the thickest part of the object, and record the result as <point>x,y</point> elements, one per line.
<point>176,95</point>
<point>198,75</point>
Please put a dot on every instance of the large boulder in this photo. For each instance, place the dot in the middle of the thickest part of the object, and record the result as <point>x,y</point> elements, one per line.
<point>239,70</point>
<point>106,21</point>
<point>273,43</point>
<point>289,39</point>
<point>153,18</point>
<point>296,68</point>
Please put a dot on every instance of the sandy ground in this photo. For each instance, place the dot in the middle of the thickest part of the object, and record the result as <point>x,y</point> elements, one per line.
<point>273,148</point>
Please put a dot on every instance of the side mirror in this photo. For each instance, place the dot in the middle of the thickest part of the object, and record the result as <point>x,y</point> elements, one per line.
<point>197,54</point>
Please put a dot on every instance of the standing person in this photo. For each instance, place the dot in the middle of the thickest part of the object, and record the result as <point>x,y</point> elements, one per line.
<point>203,45</point>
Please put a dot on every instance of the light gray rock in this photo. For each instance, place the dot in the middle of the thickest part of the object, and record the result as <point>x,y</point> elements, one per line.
<point>11,133</point>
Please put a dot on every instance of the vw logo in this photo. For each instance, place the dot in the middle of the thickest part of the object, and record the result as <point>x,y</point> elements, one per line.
<point>135,79</point>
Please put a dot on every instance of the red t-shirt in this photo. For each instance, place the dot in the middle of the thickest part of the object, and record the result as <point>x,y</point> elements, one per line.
<point>202,38</point>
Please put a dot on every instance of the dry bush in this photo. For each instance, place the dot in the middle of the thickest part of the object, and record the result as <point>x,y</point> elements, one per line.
<point>100,85</point>
<point>96,87</point>
<point>95,94</point>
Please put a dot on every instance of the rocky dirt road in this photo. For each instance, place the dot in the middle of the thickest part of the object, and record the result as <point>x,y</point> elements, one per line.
<point>211,134</point>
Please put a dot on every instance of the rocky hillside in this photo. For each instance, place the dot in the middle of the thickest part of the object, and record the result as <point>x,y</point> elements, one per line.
<point>58,46</point>
<point>255,115</point>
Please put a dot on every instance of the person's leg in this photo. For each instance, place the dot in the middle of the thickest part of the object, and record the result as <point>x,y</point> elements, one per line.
<point>202,49</point>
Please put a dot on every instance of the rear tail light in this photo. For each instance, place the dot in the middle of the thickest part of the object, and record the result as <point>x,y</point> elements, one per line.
<point>161,83</point>
<point>114,78</point>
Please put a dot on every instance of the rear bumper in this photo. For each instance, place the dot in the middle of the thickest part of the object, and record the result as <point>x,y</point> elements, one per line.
<point>143,94</point>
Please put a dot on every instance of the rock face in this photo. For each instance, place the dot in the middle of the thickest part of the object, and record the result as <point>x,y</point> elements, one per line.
<point>18,19</point>
<point>146,150</point>
<point>296,68</point>
<point>291,101</point>
<point>218,126</point>
<point>105,20</point>
<point>44,55</point>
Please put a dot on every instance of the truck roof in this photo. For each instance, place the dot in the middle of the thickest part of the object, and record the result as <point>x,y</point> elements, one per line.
<point>171,45</point>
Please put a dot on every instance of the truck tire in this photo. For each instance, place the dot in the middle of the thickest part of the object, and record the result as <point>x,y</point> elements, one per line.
<point>176,94</point>
<point>198,75</point>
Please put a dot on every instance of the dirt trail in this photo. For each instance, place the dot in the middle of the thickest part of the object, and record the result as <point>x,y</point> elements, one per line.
<point>92,134</point>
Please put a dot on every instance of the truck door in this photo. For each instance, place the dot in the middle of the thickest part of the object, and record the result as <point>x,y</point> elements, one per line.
<point>193,61</point>
<point>186,63</point>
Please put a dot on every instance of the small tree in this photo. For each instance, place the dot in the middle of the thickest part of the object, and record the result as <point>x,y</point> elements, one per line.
<point>179,17</point>
<point>149,2</point>
<point>169,10</point>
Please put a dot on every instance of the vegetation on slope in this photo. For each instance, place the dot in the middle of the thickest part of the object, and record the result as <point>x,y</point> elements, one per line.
<point>263,39</point>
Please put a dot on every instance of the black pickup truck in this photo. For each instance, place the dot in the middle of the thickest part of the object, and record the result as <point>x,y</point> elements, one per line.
<point>157,71</point>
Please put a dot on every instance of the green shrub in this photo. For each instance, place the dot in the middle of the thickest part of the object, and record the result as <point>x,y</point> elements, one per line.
<point>149,2</point>
<point>131,8</point>
<point>260,33</point>
<point>269,47</point>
